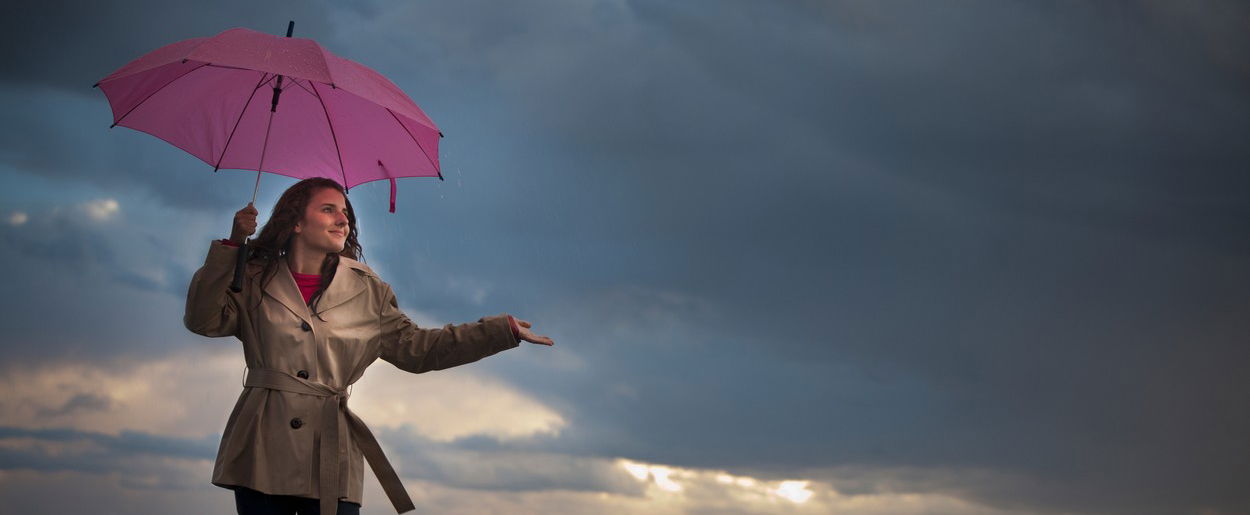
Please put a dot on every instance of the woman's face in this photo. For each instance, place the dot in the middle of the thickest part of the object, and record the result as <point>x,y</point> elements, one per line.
<point>324,227</point>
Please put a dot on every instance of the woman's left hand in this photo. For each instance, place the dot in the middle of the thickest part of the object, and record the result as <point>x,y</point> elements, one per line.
<point>529,336</point>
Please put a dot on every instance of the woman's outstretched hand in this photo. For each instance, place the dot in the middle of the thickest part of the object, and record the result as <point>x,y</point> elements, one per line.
<point>529,336</point>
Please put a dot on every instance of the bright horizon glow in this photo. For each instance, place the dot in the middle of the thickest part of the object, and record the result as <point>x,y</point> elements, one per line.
<point>795,491</point>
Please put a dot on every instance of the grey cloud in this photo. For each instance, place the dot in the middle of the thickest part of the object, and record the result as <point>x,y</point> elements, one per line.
<point>79,402</point>
<point>70,44</point>
<point>1038,373</point>
<point>1009,221</point>
<point>33,492</point>
<point>109,451</point>
<point>68,240</point>
<point>462,466</point>
<point>78,287</point>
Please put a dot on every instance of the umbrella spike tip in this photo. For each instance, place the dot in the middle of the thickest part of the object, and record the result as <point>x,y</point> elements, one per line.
<point>96,85</point>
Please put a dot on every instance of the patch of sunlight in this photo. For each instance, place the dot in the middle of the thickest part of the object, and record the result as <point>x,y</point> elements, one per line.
<point>795,491</point>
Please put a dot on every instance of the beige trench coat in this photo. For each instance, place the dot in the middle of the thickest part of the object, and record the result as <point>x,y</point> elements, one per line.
<point>294,403</point>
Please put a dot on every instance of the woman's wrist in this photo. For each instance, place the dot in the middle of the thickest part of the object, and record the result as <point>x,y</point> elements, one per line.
<point>516,330</point>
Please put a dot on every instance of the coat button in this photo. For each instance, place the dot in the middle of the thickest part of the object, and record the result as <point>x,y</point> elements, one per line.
<point>304,325</point>
<point>296,423</point>
<point>302,374</point>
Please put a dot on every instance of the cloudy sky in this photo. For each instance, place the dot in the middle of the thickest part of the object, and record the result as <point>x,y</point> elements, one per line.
<point>974,257</point>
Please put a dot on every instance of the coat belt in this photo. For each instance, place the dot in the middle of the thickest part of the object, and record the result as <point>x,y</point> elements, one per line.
<point>328,468</point>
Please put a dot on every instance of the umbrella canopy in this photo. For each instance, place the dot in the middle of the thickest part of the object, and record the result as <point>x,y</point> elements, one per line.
<point>326,116</point>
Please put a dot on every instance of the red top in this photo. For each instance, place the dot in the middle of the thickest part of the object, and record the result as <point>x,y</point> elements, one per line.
<point>308,284</point>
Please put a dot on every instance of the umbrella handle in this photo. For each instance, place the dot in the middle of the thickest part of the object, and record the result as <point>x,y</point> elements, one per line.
<point>237,284</point>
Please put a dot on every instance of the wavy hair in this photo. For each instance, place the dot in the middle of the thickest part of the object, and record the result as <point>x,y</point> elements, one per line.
<point>275,238</point>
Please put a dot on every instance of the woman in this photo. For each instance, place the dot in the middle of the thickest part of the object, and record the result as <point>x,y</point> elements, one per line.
<point>312,317</point>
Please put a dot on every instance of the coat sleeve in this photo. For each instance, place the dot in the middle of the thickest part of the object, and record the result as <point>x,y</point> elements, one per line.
<point>212,309</point>
<point>418,350</point>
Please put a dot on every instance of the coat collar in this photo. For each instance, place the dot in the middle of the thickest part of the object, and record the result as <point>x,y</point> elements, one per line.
<point>345,286</point>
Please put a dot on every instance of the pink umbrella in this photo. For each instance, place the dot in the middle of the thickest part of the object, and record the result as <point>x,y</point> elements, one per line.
<point>338,118</point>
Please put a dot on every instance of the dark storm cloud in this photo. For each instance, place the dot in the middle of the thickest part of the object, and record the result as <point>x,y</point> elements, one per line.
<point>69,45</point>
<point>77,403</point>
<point>150,462</point>
<point>106,452</point>
<point>462,466</point>
<point>69,240</point>
<point>78,287</point>
<point>1021,223</point>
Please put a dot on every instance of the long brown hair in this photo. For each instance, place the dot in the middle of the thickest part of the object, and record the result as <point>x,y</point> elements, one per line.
<point>274,241</point>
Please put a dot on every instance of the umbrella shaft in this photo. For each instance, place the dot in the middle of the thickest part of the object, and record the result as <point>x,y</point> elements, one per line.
<point>257,188</point>
<point>263,147</point>
<point>273,108</point>
<point>277,91</point>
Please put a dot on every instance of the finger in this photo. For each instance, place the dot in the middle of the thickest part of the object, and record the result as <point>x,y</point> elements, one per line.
<point>524,323</point>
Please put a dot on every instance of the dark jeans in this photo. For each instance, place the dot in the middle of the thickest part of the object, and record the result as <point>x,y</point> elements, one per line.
<point>251,502</point>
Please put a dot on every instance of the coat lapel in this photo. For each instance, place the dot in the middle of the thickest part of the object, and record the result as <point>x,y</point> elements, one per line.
<point>283,288</point>
<point>345,286</point>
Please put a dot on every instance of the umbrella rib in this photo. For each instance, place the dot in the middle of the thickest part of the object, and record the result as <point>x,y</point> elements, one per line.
<point>239,119</point>
<point>232,67</point>
<point>301,86</point>
<point>158,90</point>
<point>330,124</point>
<point>414,140</point>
